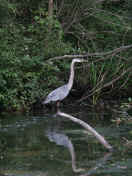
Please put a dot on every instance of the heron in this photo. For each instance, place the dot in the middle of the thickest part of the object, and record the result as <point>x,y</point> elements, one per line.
<point>62,92</point>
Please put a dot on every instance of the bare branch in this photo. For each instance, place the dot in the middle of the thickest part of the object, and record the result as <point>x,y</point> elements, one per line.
<point>115,51</point>
<point>108,84</point>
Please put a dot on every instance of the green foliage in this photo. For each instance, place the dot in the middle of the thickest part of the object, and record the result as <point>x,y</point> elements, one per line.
<point>50,34</point>
<point>96,80</point>
<point>24,73</point>
<point>29,38</point>
<point>23,80</point>
<point>107,74</point>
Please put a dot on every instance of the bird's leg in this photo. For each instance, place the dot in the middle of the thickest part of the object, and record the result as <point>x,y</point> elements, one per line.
<point>58,105</point>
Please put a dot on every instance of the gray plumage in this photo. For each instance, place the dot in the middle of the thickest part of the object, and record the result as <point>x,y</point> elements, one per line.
<point>58,94</point>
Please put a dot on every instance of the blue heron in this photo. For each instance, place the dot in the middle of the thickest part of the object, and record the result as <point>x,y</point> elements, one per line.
<point>61,92</point>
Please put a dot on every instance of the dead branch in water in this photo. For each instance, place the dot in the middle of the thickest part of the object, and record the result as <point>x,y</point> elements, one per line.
<point>87,127</point>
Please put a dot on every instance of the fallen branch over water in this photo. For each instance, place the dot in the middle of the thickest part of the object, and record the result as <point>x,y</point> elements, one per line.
<point>87,127</point>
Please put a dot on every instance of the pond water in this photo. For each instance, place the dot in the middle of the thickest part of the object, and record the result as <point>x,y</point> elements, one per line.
<point>47,145</point>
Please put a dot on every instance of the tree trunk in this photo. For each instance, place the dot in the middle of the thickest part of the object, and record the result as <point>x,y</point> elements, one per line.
<point>50,8</point>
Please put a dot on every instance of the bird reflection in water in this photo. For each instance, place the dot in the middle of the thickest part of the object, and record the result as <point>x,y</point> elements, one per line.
<point>63,140</point>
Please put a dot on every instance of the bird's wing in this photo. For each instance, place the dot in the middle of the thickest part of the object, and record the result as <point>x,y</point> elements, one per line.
<point>57,94</point>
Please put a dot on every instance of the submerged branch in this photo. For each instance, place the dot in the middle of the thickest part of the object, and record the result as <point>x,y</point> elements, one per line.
<point>87,127</point>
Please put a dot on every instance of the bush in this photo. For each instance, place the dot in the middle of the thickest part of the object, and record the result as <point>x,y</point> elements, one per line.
<point>24,73</point>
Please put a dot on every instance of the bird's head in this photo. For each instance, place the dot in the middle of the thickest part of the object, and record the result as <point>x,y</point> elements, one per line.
<point>78,60</point>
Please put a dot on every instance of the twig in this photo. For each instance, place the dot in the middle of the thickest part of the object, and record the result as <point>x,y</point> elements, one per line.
<point>88,127</point>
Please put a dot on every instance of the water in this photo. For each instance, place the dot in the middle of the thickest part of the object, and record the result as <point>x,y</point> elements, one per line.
<point>47,145</point>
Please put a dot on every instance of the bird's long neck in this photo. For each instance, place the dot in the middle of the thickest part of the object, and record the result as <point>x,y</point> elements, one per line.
<point>70,82</point>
